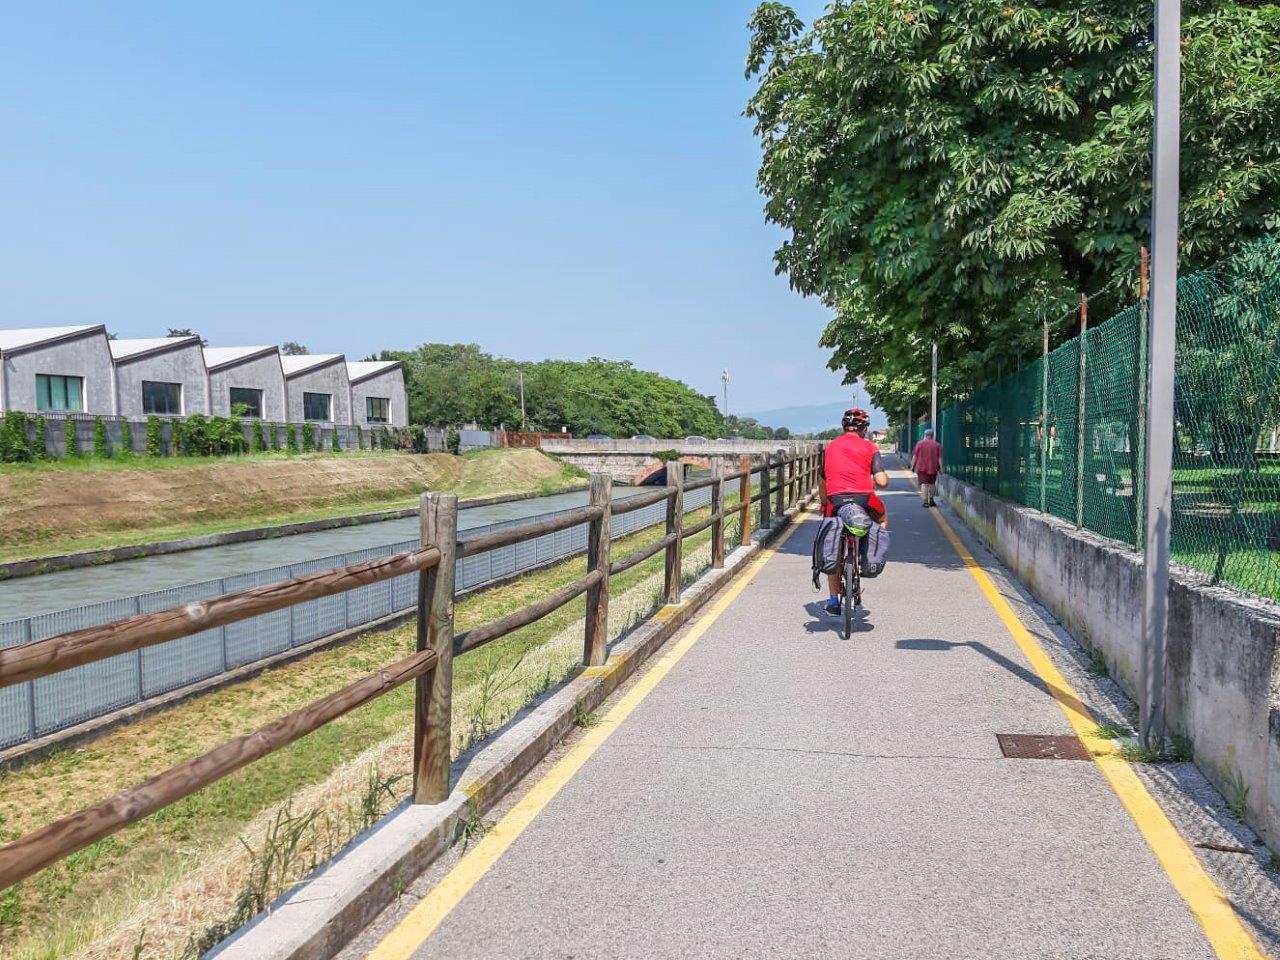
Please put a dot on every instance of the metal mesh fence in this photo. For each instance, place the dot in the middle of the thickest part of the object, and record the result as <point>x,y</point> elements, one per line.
<point>1065,434</point>
<point>32,710</point>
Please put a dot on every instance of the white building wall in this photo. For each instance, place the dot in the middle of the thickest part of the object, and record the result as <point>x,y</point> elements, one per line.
<point>183,365</point>
<point>330,379</point>
<point>88,357</point>
<point>262,373</point>
<point>390,385</point>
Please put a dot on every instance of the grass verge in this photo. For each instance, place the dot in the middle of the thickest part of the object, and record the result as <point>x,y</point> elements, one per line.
<point>174,883</point>
<point>192,502</point>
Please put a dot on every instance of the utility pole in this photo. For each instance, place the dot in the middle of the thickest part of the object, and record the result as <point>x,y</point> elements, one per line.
<point>524,423</point>
<point>933,392</point>
<point>1161,343</point>
<point>724,379</point>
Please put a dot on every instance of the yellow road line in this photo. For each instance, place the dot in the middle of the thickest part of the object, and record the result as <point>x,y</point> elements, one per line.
<point>1226,933</point>
<point>422,920</point>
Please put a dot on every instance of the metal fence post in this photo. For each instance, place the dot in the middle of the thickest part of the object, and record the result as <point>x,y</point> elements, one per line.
<point>744,500</point>
<point>1080,408</point>
<point>31,688</point>
<point>675,526</point>
<point>433,701</point>
<point>1044,418</point>
<point>765,495</point>
<point>717,513</point>
<point>595,643</point>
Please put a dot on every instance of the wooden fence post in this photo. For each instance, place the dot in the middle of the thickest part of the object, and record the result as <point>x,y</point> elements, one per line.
<point>766,497</point>
<point>780,490</point>
<point>595,642</point>
<point>675,526</point>
<point>744,500</point>
<point>433,693</point>
<point>717,513</point>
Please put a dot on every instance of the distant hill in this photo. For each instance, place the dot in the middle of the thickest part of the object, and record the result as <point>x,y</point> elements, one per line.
<point>813,418</point>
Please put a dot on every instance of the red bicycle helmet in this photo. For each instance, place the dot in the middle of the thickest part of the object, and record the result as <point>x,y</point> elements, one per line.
<point>856,418</point>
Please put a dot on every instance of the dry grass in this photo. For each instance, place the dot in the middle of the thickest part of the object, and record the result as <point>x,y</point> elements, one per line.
<point>181,871</point>
<point>45,512</point>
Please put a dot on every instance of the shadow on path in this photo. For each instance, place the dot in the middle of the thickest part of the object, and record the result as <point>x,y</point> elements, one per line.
<point>995,657</point>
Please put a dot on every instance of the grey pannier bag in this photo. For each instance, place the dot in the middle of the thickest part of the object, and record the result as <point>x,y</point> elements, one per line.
<point>826,548</point>
<point>875,551</point>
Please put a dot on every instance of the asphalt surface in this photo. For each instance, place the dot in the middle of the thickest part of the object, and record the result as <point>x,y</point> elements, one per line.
<point>786,793</point>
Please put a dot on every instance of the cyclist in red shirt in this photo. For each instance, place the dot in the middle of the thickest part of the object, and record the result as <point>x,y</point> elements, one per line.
<point>852,470</point>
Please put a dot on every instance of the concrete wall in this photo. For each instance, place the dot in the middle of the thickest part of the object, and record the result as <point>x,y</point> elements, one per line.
<point>330,379</point>
<point>1223,663</point>
<point>262,373</point>
<point>183,365</point>
<point>389,384</point>
<point>88,357</point>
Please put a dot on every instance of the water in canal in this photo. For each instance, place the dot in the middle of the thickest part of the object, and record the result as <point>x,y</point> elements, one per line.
<point>29,596</point>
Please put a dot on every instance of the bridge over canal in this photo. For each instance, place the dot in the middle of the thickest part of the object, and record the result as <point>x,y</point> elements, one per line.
<point>638,462</point>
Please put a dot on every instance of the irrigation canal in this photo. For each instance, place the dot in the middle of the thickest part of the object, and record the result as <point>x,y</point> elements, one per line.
<point>125,578</point>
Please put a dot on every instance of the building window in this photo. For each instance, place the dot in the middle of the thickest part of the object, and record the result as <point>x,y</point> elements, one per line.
<point>58,394</point>
<point>164,399</point>
<point>317,406</point>
<point>249,399</point>
<point>377,410</point>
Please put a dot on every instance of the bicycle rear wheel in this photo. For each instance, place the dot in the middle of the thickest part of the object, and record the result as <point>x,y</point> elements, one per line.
<point>850,589</point>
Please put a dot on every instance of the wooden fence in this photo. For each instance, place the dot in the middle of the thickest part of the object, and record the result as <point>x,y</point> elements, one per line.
<point>785,479</point>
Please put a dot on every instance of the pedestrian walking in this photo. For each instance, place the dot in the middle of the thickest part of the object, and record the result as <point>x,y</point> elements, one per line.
<point>926,461</point>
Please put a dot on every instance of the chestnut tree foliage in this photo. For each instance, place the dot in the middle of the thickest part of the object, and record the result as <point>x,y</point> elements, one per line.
<point>962,170</point>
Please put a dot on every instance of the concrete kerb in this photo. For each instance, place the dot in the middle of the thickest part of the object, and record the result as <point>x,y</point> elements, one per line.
<point>35,566</point>
<point>319,916</point>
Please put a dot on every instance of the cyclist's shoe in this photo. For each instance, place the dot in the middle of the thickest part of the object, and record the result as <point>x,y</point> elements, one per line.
<point>833,607</point>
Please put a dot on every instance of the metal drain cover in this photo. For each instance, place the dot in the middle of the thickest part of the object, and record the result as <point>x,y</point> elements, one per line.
<point>1031,746</point>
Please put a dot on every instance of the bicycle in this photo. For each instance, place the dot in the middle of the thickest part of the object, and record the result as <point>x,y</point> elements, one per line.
<point>851,564</point>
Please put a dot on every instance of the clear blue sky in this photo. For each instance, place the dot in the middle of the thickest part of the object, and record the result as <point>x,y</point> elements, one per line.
<point>562,179</point>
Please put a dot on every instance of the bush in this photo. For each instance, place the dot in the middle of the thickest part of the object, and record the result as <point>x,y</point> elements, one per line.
<point>155,437</point>
<point>100,448</point>
<point>333,439</point>
<point>308,437</point>
<point>259,441</point>
<point>14,447</point>
<point>73,446</point>
<point>223,436</point>
<point>126,438</point>
<point>291,438</point>
<point>452,441</point>
<point>175,438</point>
<point>41,450</point>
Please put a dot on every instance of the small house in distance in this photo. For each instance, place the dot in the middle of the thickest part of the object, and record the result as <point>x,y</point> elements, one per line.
<point>249,377</point>
<point>377,394</point>
<point>57,370</point>
<point>317,388</point>
<point>160,376</point>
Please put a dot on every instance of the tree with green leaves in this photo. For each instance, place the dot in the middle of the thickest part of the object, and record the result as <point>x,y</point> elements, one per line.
<point>962,170</point>
<point>454,384</point>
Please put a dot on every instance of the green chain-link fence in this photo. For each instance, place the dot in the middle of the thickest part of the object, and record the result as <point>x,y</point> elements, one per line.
<point>1036,439</point>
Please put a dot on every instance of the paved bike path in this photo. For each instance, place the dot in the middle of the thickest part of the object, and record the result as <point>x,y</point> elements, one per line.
<point>785,793</point>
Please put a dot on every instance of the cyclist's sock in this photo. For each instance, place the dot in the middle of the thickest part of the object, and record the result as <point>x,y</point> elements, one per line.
<point>834,598</point>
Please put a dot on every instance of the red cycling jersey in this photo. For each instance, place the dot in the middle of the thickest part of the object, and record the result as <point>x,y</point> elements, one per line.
<point>848,463</point>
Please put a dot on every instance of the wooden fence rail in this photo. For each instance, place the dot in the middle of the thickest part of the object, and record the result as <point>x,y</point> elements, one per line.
<point>785,479</point>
